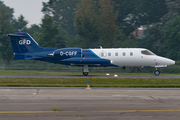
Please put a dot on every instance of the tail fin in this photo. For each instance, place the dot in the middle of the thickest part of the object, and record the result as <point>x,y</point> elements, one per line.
<point>24,43</point>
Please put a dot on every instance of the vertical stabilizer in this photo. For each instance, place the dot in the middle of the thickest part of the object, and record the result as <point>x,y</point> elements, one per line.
<point>24,43</point>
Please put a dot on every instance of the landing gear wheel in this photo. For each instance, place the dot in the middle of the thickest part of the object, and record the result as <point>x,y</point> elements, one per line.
<point>157,72</point>
<point>85,73</point>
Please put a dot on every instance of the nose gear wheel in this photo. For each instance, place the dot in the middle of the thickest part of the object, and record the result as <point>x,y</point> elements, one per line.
<point>157,72</point>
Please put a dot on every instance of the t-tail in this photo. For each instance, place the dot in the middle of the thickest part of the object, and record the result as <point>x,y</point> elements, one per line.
<point>25,47</point>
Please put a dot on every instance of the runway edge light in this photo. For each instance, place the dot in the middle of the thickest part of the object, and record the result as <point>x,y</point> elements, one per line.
<point>88,85</point>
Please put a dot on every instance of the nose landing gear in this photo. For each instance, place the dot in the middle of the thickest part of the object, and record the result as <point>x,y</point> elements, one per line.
<point>157,72</point>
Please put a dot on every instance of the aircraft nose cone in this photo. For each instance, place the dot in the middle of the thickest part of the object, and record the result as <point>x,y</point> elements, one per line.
<point>165,61</point>
<point>169,61</point>
<point>172,62</point>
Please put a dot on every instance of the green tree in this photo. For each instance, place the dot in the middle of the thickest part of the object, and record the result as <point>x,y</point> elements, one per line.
<point>60,40</point>
<point>87,23</point>
<point>156,39</point>
<point>135,13</point>
<point>153,39</point>
<point>19,24</point>
<point>35,31</point>
<point>5,28</point>
<point>9,10</point>
<point>49,31</point>
<point>150,11</point>
<point>125,15</point>
<point>171,34</point>
<point>173,11</point>
<point>107,27</point>
<point>63,12</point>
<point>96,23</point>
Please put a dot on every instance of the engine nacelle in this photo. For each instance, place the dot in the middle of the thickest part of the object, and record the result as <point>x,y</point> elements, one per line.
<point>68,53</point>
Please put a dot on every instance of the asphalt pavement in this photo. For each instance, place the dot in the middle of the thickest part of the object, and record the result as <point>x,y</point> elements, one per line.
<point>89,104</point>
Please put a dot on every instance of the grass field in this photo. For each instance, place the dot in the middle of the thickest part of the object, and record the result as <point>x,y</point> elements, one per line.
<point>82,82</point>
<point>35,72</point>
<point>40,72</point>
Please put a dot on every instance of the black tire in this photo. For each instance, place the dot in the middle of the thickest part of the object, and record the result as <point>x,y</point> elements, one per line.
<point>85,73</point>
<point>157,72</point>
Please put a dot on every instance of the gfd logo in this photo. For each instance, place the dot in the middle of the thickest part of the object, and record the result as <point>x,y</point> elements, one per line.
<point>70,53</point>
<point>24,42</point>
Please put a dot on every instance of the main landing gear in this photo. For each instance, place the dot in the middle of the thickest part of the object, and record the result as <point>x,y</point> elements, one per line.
<point>85,70</point>
<point>157,72</point>
<point>85,73</point>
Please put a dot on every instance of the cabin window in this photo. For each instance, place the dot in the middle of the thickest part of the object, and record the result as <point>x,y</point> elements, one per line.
<point>131,53</point>
<point>147,52</point>
<point>109,54</point>
<point>124,54</point>
<point>102,54</point>
<point>116,54</point>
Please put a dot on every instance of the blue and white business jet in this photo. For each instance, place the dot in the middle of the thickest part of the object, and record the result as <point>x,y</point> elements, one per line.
<point>25,47</point>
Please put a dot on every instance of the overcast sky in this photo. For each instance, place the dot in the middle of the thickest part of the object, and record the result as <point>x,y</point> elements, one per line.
<point>30,9</point>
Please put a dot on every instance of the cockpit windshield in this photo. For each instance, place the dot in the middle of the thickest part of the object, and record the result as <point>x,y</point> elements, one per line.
<point>147,52</point>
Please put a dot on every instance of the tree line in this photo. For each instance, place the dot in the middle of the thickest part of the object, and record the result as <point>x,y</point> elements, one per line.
<point>94,23</point>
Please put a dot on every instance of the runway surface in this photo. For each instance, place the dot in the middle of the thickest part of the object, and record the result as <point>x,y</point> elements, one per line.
<point>97,103</point>
<point>94,76</point>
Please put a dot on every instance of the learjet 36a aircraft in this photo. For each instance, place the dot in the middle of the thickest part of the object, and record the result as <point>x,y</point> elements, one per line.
<point>25,47</point>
